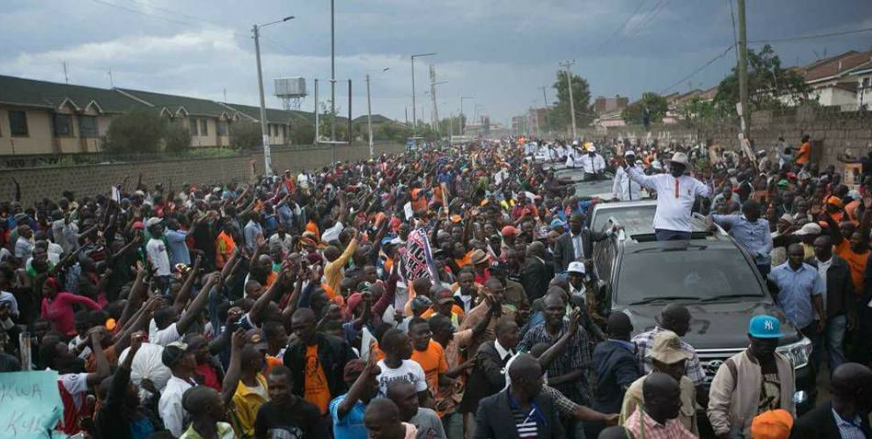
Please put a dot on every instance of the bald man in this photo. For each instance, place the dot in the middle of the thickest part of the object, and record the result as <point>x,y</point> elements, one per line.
<point>662,405</point>
<point>847,415</point>
<point>521,410</point>
<point>382,421</point>
<point>207,412</point>
<point>403,394</point>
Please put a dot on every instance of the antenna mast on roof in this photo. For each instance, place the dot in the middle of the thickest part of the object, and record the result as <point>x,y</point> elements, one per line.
<point>66,75</point>
<point>111,81</point>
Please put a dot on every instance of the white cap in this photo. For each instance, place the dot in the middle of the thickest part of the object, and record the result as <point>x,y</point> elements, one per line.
<point>153,221</point>
<point>591,148</point>
<point>576,267</point>
<point>575,143</point>
<point>809,229</point>
<point>629,152</point>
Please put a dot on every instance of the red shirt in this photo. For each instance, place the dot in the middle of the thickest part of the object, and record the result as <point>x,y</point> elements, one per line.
<point>210,377</point>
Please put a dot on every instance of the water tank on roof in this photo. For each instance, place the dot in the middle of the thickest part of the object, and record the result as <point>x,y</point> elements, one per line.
<point>290,87</point>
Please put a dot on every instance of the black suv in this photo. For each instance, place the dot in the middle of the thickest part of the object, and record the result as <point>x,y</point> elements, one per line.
<point>715,279</point>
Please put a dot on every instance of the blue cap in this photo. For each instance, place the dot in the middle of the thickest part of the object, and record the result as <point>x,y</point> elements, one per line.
<point>764,327</point>
<point>555,223</point>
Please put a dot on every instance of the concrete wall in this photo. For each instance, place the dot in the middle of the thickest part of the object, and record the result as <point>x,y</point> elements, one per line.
<point>839,131</point>
<point>38,183</point>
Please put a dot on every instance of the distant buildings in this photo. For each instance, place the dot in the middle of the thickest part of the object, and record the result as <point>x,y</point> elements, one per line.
<point>41,117</point>
<point>839,80</point>
<point>604,105</point>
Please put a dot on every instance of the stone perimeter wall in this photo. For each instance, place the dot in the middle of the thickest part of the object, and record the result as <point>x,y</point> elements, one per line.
<point>38,183</point>
<point>838,131</point>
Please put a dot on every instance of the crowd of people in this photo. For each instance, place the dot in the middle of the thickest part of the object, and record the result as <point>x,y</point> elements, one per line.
<point>446,293</point>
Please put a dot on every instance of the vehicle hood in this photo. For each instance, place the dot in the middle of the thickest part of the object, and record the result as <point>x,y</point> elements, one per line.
<point>721,325</point>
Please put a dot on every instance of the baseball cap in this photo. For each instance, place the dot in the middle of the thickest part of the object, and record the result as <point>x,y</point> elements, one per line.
<point>509,231</point>
<point>499,266</point>
<point>172,353</point>
<point>576,267</point>
<point>153,221</point>
<point>772,424</point>
<point>764,326</point>
<point>556,223</point>
<point>629,153</point>
<point>255,337</point>
<point>808,229</point>
<point>835,201</point>
<point>667,348</point>
<point>420,303</point>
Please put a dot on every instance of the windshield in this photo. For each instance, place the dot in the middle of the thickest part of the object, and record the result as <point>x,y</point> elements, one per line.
<point>599,188</point>
<point>635,219</point>
<point>685,273</point>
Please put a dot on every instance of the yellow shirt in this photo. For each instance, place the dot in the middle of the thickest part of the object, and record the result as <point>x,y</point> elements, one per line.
<point>246,403</point>
<point>333,270</point>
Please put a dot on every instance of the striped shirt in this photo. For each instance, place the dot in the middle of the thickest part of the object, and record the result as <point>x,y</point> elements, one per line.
<point>848,429</point>
<point>525,423</point>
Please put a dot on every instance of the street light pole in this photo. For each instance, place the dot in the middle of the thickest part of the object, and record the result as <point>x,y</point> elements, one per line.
<point>567,64</point>
<point>462,98</point>
<point>414,108</point>
<point>743,72</point>
<point>332,72</point>
<point>267,160</point>
<point>369,119</point>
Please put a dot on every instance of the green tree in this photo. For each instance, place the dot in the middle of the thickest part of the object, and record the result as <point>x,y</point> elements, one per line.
<point>325,124</point>
<point>303,133</point>
<point>137,131</point>
<point>560,117</point>
<point>769,85</point>
<point>177,137</point>
<point>698,109</point>
<point>245,135</point>
<point>656,105</point>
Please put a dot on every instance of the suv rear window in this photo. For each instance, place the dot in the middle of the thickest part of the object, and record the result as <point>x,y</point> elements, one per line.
<point>635,219</point>
<point>688,273</point>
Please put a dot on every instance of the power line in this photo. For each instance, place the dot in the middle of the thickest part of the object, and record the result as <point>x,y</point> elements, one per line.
<point>646,21</point>
<point>622,26</point>
<point>710,62</point>
<point>811,37</point>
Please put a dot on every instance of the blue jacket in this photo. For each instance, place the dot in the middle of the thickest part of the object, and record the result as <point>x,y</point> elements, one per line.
<point>616,369</point>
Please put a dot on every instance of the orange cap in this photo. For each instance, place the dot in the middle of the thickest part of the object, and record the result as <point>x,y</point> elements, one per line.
<point>835,201</point>
<point>774,424</point>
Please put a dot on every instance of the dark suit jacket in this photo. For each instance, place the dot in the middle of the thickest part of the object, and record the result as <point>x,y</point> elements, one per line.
<point>487,376</point>
<point>535,278</point>
<point>820,424</point>
<point>494,418</point>
<point>564,251</point>
<point>840,287</point>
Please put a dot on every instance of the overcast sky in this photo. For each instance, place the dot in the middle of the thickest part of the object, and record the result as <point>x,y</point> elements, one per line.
<point>499,51</point>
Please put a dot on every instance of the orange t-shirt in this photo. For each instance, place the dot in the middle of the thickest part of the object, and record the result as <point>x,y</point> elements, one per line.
<point>804,153</point>
<point>433,362</point>
<point>272,362</point>
<point>312,227</point>
<point>316,390</point>
<point>455,309</point>
<point>856,262</point>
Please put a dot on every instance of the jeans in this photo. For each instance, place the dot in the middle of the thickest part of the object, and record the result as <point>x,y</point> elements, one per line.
<point>452,423</point>
<point>811,332</point>
<point>835,339</point>
<point>671,235</point>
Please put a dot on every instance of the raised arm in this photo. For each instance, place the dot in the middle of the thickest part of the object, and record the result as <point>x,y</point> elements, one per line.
<point>185,291</point>
<point>197,305</point>
<point>234,371</point>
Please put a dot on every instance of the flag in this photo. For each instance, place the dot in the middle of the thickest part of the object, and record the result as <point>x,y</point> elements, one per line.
<point>416,260</point>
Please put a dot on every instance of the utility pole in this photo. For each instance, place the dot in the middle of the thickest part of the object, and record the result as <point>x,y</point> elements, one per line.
<point>332,72</point>
<point>743,72</point>
<point>414,104</point>
<point>545,99</point>
<point>567,64</point>
<point>267,160</point>
<point>462,123</point>
<point>434,115</point>
<point>369,119</point>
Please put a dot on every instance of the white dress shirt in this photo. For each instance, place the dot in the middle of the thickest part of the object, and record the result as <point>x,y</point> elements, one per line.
<point>592,165</point>
<point>170,405</point>
<point>624,188</point>
<point>675,198</point>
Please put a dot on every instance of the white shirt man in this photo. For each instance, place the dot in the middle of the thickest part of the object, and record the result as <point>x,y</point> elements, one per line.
<point>676,194</point>
<point>158,256</point>
<point>624,188</point>
<point>592,162</point>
